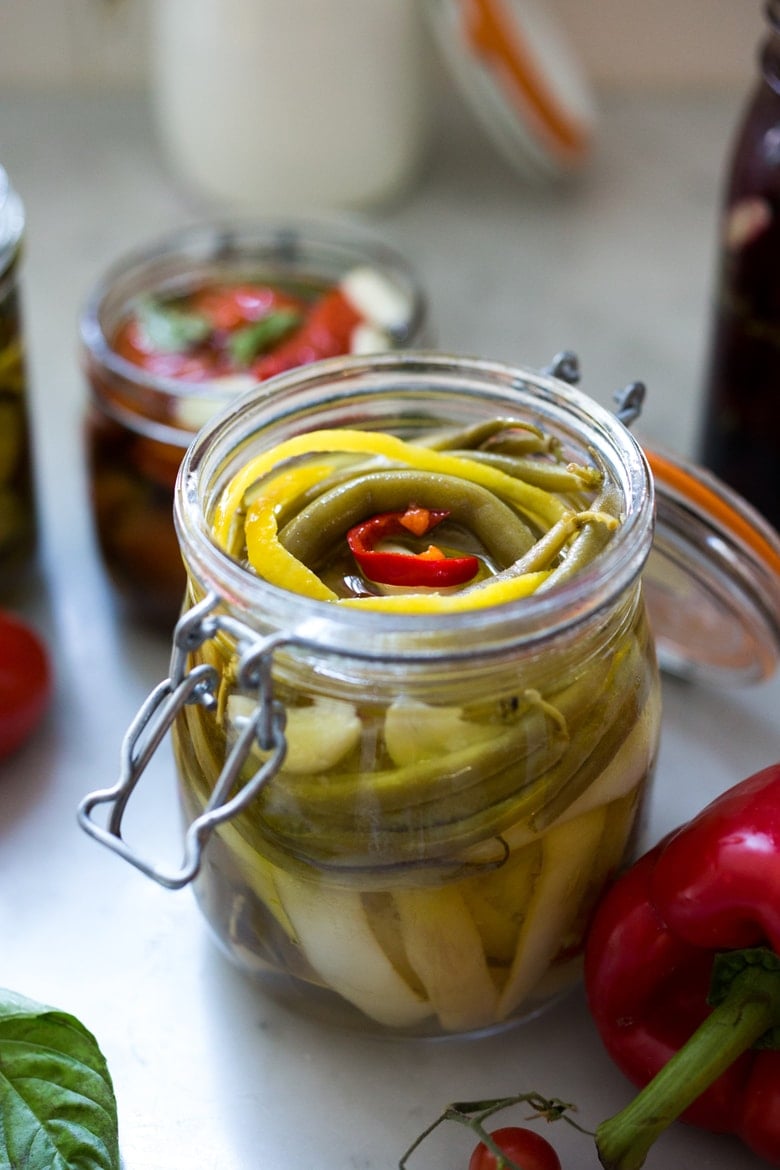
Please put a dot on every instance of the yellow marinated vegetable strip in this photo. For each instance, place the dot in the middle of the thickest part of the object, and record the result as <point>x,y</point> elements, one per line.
<point>539,503</point>
<point>258,873</point>
<point>194,751</point>
<point>335,935</point>
<point>382,913</point>
<point>445,950</point>
<point>265,553</point>
<point>628,768</point>
<point>498,900</point>
<point>489,594</point>
<point>567,861</point>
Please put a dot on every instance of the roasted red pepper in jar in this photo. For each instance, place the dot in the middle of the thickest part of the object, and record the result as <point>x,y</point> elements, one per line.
<point>221,331</point>
<point>683,978</point>
<point>177,352</point>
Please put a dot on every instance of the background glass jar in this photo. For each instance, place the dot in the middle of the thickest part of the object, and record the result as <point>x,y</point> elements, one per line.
<point>17,504</point>
<point>418,850</point>
<point>150,392</point>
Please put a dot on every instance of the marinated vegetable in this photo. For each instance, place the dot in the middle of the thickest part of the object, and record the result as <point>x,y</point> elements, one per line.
<point>403,566</point>
<point>247,332</point>
<point>432,848</point>
<point>175,358</point>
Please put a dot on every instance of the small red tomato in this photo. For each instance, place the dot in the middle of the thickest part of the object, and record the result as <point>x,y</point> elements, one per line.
<point>25,682</point>
<point>524,1146</point>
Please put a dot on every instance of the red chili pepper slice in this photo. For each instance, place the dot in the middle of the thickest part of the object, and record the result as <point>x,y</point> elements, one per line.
<point>428,568</point>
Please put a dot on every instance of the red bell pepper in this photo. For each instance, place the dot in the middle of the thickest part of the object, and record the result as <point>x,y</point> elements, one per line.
<point>707,896</point>
<point>430,568</point>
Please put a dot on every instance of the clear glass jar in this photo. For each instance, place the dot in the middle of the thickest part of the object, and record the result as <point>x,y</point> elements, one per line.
<point>280,109</point>
<point>409,815</point>
<point>139,421</point>
<point>17,502</point>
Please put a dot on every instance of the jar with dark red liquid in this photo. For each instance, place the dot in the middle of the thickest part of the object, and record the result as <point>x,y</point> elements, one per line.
<point>741,426</point>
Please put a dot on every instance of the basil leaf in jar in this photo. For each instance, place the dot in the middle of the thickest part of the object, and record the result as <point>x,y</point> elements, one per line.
<point>245,344</point>
<point>169,329</point>
<point>56,1096</point>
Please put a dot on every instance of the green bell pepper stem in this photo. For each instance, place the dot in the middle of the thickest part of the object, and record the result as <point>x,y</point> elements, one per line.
<point>750,1008</point>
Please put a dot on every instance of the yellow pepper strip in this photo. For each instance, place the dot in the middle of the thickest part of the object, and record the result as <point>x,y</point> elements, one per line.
<point>265,552</point>
<point>504,590</point>
<point>535,501</point>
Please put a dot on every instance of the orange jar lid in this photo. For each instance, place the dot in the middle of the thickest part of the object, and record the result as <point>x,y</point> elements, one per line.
<point>524,84</point>
<point>712,581</point>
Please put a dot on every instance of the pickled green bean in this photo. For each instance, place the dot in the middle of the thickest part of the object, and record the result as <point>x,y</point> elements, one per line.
<point>593,741</point>
<point>429,780</point>
<point>311,535</point>
<point>422,835</point>
<point>565,478</point>
<point>588,543</point>
<point>596,739</point>
<point>528,438</point>
<point>541,555</point>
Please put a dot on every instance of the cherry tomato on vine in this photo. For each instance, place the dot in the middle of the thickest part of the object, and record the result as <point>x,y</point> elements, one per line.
<point>524,1146</point>
<point>25,682</point>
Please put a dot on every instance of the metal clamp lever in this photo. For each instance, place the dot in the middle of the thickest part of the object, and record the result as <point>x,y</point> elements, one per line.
<point>629,399</point>
<point>629,402</point>
<point>565,366</point>
<point>265,726</point>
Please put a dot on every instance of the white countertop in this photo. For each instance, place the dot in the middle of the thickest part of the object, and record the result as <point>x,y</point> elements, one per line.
<point>207,1072</point>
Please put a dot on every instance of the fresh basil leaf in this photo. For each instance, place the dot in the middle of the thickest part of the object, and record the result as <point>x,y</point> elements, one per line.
<point>168,329</point>
<point>247,343</point>
<point>57,1104</point>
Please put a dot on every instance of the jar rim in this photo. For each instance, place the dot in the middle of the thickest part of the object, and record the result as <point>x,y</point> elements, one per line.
<point>379,635</point>
<point>273,241</point>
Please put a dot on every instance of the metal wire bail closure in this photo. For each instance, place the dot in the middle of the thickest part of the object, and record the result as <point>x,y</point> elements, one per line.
<point>265,727</point>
